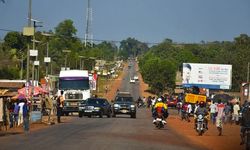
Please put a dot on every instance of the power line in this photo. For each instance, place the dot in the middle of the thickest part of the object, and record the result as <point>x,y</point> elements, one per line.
<point>80,38</point>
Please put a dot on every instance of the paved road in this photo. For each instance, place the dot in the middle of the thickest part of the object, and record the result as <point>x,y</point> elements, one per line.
<point>120,133</point>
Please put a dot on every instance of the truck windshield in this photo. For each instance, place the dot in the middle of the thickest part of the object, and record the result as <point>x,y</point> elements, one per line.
<point>82,84</point>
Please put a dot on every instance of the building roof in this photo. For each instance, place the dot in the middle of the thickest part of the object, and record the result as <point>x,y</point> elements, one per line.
<point>11,85</point>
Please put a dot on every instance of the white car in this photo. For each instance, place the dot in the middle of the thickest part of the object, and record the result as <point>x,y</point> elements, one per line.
<point>136,78</point>
<point>132,80</point>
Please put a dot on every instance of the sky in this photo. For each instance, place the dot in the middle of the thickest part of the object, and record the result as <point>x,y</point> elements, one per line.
<point>151,21</point>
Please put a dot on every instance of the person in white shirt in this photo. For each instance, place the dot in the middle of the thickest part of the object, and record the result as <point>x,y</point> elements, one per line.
<point>20,113</point>
<point>236,110</point>
<point>213,108</point>
<point>189,110</point>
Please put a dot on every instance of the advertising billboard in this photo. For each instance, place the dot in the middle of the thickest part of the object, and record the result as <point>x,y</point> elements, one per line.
<point>211,76</point>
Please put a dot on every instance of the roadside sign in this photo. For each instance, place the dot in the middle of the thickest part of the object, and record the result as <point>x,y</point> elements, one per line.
<point>36,63</point>
<point>33,52</point>
<point>47,59</point>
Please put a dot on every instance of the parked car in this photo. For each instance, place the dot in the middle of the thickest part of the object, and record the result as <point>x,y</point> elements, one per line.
<point>124,104</point>
<point>95,107</point>
<point>172,102</point>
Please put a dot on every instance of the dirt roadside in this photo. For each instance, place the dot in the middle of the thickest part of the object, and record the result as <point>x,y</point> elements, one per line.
<point>230,140</point>
<point>114,85</point>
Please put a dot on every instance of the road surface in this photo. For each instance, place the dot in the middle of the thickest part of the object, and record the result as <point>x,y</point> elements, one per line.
<point>120,133</point>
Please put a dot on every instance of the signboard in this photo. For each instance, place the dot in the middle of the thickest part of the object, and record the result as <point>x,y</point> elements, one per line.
<point>36,116</point>
<point>36,63</point>
<point>33,52</point>
<point>211,76</point>
<point>1,109</point>
<point>93,81</point>
<point>47,59</point>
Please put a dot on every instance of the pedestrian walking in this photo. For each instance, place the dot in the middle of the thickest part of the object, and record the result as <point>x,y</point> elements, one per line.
<point>16,112</point>
<point>220,114</point>
<point>236,110</point>
<point>60,103</point>
<point>213,109</point>
<point>227,111</point>
<point>189,110</point>
<point>11,114</point>
<point>20,113</point>
<point>25,116</point>
<point>48,106</point>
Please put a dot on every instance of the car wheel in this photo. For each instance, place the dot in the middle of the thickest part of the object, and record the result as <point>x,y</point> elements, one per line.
<point>114,115</point>
<point>66,113</point>
<point>101,114</point>
<point>109,114</point>
<point>80,114</point>
<point>133,115</point>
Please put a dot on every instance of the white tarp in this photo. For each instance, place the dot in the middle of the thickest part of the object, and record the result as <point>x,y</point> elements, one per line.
<point>212,76</point>
<point>1,109</point>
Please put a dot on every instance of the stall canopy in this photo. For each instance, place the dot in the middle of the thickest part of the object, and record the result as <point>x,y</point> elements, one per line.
<point>28,91</point>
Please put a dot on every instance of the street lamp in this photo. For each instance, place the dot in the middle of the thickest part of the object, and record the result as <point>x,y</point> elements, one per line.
<point>65,63</point>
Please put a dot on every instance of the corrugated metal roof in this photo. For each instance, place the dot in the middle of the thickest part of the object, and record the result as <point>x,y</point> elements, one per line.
<point>13,85</point>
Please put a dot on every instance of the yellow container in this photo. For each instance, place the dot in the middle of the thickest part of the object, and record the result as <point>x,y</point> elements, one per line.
<point>193,98</point>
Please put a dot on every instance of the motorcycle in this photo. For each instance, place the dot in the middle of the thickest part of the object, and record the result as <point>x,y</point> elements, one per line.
<point>140,104</point>
<point>159,121</point>
<point>200,125</point>
<point>185,116</point>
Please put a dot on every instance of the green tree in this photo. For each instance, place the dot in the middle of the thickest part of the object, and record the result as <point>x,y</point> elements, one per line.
<point>132,47</point>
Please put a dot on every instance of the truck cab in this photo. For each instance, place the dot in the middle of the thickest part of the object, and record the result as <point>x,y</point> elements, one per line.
<point>76,87</point>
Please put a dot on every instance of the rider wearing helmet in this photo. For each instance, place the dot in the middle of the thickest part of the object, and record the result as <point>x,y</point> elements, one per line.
<point>160,106</point>
<point>201,110</point>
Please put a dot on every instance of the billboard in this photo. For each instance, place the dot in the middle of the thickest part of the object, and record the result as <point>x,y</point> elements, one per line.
<point>211,76</point>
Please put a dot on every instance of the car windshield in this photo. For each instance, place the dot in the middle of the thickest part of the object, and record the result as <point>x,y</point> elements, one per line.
<point>95,101</point>
<point>124,99</point>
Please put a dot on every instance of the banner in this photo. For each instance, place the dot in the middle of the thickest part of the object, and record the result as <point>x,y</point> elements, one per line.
<point>211,76</point>
<point>94,81</point>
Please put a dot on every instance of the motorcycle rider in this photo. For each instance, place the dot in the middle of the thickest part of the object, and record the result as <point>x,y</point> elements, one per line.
<point>201,110</point>
<point>245,121</point>
<point>160,106</point>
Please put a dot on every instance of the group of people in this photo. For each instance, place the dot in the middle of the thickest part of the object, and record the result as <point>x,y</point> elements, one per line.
<point>18,113</point>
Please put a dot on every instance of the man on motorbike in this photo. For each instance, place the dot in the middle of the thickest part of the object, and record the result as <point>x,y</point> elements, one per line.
<point>160,106</point>
<point>245,121</point>
<point>201,110</point>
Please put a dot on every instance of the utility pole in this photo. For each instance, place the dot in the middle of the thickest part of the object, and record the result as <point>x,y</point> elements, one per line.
<point>247,72</point>
<point>28,47</point>
<point>88,37</point>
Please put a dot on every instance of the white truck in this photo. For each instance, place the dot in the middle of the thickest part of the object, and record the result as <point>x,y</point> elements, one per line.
<point>76,88</point>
